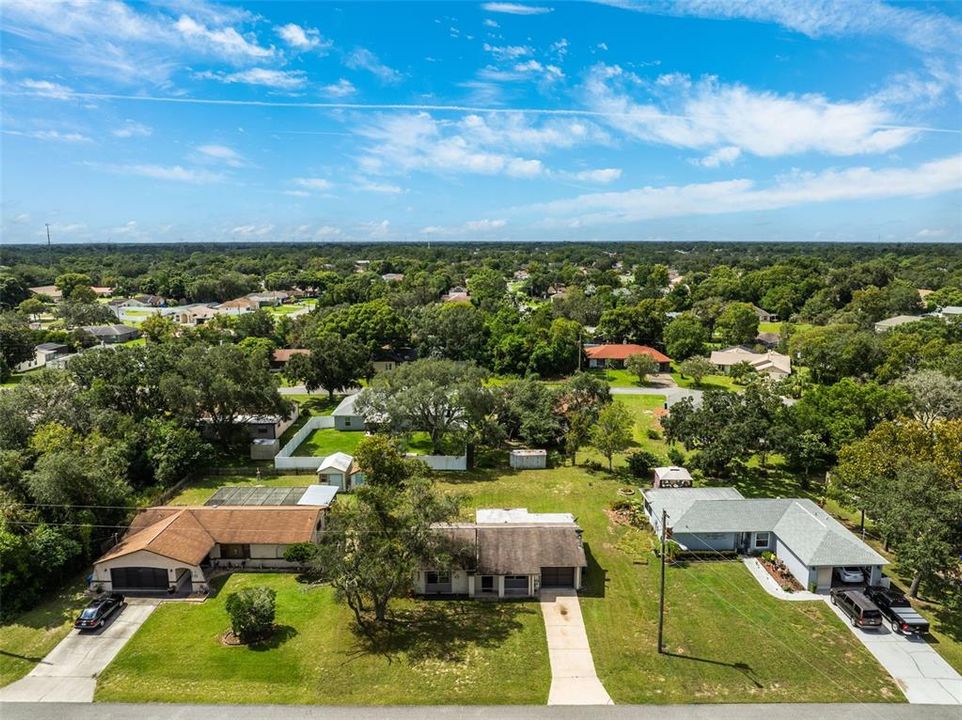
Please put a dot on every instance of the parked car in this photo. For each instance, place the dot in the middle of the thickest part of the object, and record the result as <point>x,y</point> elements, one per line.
<point>851,575</point>
<point>898,611</point>
<point>96,613</point>
<point>854,603</point>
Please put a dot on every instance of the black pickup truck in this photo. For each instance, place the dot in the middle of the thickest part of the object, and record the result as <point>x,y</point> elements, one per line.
<point>897,610</point>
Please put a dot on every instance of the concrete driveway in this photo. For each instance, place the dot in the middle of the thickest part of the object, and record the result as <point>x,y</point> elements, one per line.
<point>69,673</point>
<point>924,676</point>
<point>573,677</point>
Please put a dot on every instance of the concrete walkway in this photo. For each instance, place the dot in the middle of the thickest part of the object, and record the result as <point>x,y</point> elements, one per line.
<point>924,675</point>
<point>69,672</point>
<point>573,678</point>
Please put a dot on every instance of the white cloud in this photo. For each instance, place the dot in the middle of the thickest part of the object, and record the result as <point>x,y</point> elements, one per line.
<point>313,183</point>
<point>488,22</point>
<point>507,52</point>
<point>926,233</point>
<point>342,88</point>
<point>708,114</point>
<point>515,8</point>
<point>51,136</point>
<point>302,38</point>
<point>131,128</point>
<point>379,229</point>
<point>251,230</point>
<point>364,59</point>
<point>281,79</point>
<point>221,41</point>
<point>484,225</point>
<point>602,175</point>
<point>297,193</point>
<point>173,173</point>
<point>722,156</point>
<point>471,227</point>
<point>547,72</point>
<point>44,88</point>
<point>221,154</point>
<point>742,195</point>
<point>559,47</point>
<point>363,185</point>
<point>326,231</point>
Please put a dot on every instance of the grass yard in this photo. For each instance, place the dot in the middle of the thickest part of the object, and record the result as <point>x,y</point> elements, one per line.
<point>199,491</point>
<point>325,441</point>
<point>730,641</point>
<point>709,382</point>
<point>27,638</point>
<point>452,652</point>
<point>643,408</point>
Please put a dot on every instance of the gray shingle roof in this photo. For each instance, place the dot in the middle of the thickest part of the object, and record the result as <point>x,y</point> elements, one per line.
<point>814,536</point>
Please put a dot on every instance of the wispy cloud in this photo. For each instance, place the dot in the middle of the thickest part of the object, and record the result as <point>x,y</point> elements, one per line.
<point>507,52</point>
<point>222,41</point>
<point>743,195</point>
<point>221,154</point>
<point>471,227</point>
<point>342,88</point>
<point>172,173</point>
<point>313,183</point>
<point>281,79</point>
<point>602,176</point>
<point>131,129</point>
<point>51,136</point>
<point>363,59</point>
<point>45,88</point>
<point>516,8</point>
<point>302,38</point>
<point>722,156</point>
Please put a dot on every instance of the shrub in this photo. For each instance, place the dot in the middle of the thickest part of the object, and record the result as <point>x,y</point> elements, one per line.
<point>641,463</point>
<point>251,612</point>
<point>300,553</point>
<point>653,434</point>
<point>676,456</point>
<point>622,504</point>
<point>768,556</point>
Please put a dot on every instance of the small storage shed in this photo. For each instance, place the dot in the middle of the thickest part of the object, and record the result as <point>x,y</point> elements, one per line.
<point>672,477</point>
<point>529,459</point>
<point>264,448</point>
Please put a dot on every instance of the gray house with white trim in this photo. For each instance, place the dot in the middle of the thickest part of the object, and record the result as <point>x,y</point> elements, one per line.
<point>807,539</point>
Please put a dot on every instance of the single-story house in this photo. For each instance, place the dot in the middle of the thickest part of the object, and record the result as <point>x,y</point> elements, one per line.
<point>282,356</point>
<point>392,277</point>
<point>387,358</point>
<point>951,312</point>
<point>340,469</point>
<point>769,363</point>
<point>346,416</point>
<point>111,334</point>
<point>456,294</point>
<point>194,314</point>
<point>145,300</point>
<point>615,355</point>
<point>50,291</point>
<point>238,306</point>
<point>764,315</point>
<point>809,541</point>
<point>672,477</point>
<point>895,321</point>
<point>508,553</point>
<point>43,354</point>
<point>174,549</point>
<point>269,298</point>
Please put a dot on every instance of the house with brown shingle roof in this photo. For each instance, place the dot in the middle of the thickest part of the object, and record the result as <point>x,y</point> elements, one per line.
<point>174,549</point>
<point>616,355</point>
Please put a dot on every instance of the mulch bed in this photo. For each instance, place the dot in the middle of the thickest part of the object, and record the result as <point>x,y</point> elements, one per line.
<point>784,578</point>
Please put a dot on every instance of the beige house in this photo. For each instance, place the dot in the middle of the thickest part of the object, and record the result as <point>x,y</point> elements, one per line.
<point>508,554</point>
<point>768,363</point>
<point>174,549</point>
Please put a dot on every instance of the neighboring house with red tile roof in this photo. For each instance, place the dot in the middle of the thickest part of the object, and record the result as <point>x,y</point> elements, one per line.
<point>173,549</point>
<point>615,355</point>
<point>282,356</point>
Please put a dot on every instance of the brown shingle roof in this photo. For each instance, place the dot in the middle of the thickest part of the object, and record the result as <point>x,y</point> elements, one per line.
<point>518,549</point>
<point>188,534</point>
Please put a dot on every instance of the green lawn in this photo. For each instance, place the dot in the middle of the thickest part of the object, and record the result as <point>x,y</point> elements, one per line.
<point>451,652</point>
<point>14,380</point>
<point>325,441</point>
<point>28,637</point>
<point>709,382</point>
<point>730,641</point>
<point>643,408</point>
<point>307,407</point>
<point>199,491</point>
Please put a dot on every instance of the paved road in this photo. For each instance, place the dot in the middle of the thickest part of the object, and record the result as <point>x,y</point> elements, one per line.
<point>573,677</point>
<point>54,711</point>
<point>923,674</point>
<point>69,672</point>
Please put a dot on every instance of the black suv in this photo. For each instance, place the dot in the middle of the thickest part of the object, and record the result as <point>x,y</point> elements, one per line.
<point>96,613</point>
<point>862,611</point>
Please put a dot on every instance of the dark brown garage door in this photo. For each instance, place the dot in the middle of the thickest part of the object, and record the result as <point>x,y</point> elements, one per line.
<point>138,578</point>
<point>557,577</point>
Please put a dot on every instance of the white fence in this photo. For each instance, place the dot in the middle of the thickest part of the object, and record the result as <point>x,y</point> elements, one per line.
<point>443,462</point>
<point>285,460</point>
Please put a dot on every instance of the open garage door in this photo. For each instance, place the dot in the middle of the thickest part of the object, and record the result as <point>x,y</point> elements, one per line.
<point>557,577</point>
<point>138,578</point>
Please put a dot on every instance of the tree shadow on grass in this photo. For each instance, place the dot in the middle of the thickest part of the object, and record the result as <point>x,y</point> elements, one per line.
<point>595,581</point>
<point>281,634</point>
<point>443,629</point>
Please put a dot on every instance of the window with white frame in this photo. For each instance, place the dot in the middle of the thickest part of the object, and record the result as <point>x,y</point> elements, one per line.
<point>762,540</point>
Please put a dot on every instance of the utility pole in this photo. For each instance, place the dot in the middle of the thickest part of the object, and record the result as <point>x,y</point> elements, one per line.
<point>661,597</point>
<point>49,249</point>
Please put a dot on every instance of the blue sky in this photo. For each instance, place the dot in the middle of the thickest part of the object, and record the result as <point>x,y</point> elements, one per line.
<point>708,120</point>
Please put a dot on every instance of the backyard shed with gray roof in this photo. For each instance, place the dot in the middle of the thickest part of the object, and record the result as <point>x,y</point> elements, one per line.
<point>809,541</point>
